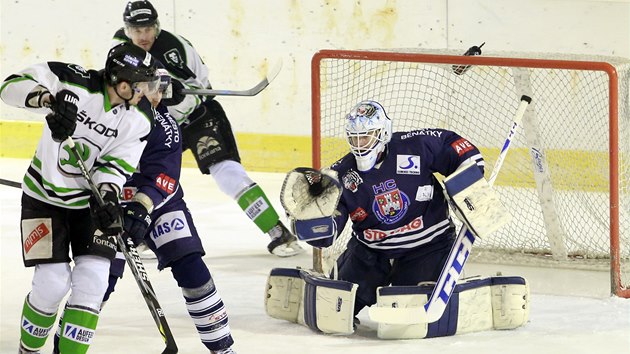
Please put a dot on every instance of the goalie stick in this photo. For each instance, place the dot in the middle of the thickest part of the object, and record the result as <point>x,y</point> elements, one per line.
<point>250,92</point>
<point>441,294</point>
<point>134,262</point>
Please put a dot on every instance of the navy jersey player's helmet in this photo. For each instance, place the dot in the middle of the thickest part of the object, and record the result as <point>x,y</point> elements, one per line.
<point>368,129</point>
<point>129,63</point>
<point>140,14</point>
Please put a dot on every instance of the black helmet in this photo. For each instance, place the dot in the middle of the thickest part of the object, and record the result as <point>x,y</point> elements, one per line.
<point>140,14</point>
<point>130,63</point>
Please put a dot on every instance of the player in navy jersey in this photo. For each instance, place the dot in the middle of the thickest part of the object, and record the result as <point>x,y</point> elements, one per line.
<point>156,213</point>
<point>402,229</point>
<point>206,130</point>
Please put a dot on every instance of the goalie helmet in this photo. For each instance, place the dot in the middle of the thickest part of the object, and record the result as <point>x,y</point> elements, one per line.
<point>368,130</point>
<point>140,14</point>
<point>132,64</point>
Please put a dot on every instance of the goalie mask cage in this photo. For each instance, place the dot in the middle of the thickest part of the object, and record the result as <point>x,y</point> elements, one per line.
<point>566,180</point>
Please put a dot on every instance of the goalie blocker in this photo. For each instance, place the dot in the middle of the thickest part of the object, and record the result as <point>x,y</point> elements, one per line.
<point>475,203</point>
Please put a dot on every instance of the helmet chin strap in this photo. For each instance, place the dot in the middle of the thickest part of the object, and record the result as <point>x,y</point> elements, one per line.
<point>124,99</point>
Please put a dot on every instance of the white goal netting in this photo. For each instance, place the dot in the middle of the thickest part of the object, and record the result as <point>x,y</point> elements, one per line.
<point>568,192</point>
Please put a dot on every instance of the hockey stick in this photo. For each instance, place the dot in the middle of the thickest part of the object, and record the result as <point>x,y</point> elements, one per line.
<point>250,92</point>
<point>6,182</point>
<point>134,262</point>
<point>441,294</point>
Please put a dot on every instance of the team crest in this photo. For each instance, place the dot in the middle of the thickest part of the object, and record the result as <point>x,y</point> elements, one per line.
<point>174,58</point>
<point>391,205</point>
<point>352,180</point>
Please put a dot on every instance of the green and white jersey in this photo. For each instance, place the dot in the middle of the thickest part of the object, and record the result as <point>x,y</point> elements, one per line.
<point>110,139</point>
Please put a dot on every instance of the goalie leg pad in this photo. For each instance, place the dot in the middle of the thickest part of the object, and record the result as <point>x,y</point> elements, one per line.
<point>284,294</point>
<point>329,304</point>
<point>476,305</point>
<point>321,304</point>
<point>475,202</point>
<point>510,302</point>
<point>209,136</point>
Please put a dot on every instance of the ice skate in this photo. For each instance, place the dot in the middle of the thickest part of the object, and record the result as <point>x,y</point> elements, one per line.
<point>283,242</point>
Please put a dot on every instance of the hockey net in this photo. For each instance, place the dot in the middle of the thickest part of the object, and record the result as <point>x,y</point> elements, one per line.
<point>566,180</point>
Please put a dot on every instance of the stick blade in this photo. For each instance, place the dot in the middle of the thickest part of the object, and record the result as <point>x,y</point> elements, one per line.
<point>274,71</point>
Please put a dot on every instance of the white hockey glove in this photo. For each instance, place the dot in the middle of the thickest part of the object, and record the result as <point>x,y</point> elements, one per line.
<point>310,198</point>
<point>475,203</point>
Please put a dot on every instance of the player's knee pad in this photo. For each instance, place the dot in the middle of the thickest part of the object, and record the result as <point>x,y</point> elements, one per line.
<point>89,281</point>
<point>258,208</point>
<point>231,177</point>
<point>476,305</point>
<point>190,272</point>
<point>51,282</point>
<point>209,136</point>
<point>319,303</point>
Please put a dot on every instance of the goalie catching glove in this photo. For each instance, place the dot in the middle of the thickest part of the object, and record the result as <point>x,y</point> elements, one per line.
<point>310,198</point>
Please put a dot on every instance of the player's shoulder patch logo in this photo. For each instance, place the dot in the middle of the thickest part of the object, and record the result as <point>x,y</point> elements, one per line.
<point>79,70</point>
<point>174,58</point>
<point>462,146</point>
<point>352,180</point>
<point>408,164</point>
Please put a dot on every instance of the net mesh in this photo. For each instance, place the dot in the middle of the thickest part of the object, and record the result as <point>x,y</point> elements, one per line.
<point>555,179</point>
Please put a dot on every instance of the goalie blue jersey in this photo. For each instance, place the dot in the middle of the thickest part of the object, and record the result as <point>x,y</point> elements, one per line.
<point>160,165</point>
<point>399,205</point>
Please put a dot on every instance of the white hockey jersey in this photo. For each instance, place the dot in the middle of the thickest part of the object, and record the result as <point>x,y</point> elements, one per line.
<point>110,139</point>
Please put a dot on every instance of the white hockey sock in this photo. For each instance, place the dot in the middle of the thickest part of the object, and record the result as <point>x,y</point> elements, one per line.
<point>210,317</point>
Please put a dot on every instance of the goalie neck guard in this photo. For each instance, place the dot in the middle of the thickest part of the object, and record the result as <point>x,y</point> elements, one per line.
<point>368,130</point>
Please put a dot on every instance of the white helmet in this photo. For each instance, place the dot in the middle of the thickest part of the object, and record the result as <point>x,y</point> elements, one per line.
<point>368,130</point>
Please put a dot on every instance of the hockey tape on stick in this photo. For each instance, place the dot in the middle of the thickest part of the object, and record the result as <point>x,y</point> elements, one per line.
<point>8,183</point>
<point>134,262</point>
<point>441,294</point>
<point>250,92</point>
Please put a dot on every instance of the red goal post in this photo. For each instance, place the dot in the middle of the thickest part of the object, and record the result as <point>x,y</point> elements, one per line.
<point>567,184</point>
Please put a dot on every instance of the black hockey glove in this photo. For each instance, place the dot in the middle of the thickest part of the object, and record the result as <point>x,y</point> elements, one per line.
<point>174,95</point>
<point>107,217</point>
<point>63,121</point>
<point>136,221</point>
